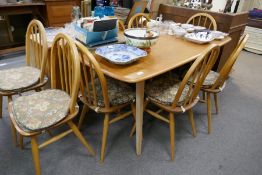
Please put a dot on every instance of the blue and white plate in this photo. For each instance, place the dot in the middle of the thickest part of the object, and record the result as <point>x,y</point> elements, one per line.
<point>200,37</point>
<point>120,53</point>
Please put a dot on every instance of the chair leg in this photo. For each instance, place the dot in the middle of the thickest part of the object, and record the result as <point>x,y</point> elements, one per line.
<point>1,106</point>
<point>172,135</point>
<point>12,126</point>
<point>21,141</point>
<point>83,114</point>
<point>192,121</point>
<point>104,137</point>
<point>133,107</point>
<point>133,130</point>
<point>216,102</point>
<point>14,134</point>
<point>204,95</point>
<point>35,152</point>
<point>81,137</point>
<point>209,117</point>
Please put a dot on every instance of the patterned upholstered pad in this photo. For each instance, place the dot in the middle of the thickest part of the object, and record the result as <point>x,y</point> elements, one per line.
<point>18,78</point>
<point>163,90</point>
<point>41,109</point>
<point>118,92</point>
<point>211,78</point>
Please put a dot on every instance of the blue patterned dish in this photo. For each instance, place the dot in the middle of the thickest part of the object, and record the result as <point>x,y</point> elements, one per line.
<point>120,53</point>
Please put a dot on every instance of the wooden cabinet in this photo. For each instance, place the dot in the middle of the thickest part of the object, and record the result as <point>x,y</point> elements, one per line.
<point>58,12</point>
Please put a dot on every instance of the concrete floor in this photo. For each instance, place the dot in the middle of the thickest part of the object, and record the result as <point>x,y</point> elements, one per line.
<point>234,147</point>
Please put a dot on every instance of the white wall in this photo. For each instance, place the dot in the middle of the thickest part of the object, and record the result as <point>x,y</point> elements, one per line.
<point>218,5</point>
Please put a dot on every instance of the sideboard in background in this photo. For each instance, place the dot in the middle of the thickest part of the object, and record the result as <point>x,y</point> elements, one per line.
<point>232,23</point>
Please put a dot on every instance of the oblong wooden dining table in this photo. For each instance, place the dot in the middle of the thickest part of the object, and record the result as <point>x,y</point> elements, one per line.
<point>167,54</point>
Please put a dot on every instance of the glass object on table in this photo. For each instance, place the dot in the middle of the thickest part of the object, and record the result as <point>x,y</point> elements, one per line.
<point>51,32</point>
<point>163,28</point>
<point>75,13</point>
<point>69,29</point>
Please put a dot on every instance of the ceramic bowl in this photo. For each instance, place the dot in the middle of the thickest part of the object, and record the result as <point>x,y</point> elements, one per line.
<point>199,28</point>
<point>218,35</point>
<point>187,26</point>
<point>138,37</point>
<point>179,32</point>
<point>190,30</point>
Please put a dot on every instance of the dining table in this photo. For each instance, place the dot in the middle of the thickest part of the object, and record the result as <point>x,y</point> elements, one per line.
<point>168,53</point>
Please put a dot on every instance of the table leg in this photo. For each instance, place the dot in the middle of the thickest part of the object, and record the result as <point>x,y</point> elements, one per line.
<point>139,115</point>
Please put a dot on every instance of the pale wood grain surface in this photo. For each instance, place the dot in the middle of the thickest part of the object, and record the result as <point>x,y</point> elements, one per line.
<point>168,53</point>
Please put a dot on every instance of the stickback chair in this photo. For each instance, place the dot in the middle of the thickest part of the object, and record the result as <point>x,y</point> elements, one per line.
<point>203,19</point>
<point>139,20</point>
<point>173,96</point>
<point>102,94</point>
<point>216,81</point>
<point>48,109</point>
<point>30,77</point>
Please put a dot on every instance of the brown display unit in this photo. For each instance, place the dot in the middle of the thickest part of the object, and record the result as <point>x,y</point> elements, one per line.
<point>232,23</point>
<point>13,24</point>
<point>58,12</point>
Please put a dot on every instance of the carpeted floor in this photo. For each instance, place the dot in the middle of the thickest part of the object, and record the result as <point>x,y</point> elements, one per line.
<point>234,147</point>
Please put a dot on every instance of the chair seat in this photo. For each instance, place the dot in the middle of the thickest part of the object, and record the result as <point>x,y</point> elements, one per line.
<point>41,109</point>
<point>163,90</point>
<point>16,79</point>
<point>211,78</point>
<point>118,92</point>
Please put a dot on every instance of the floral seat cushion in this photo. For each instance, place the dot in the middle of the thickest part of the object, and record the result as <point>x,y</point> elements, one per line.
<point>163,90</point>
<point>211,78</point>
<point>118,92</point>
<point>18,78</point>
<point>41,109</point>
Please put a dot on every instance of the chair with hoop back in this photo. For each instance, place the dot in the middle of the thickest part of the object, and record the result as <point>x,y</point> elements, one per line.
<point>102,94</point>
<point>173,96</point>
<point>204,20</point>
<point>216,81</point>
<point>139,20</point>
<point>30,77</point>
<point>48,109</point>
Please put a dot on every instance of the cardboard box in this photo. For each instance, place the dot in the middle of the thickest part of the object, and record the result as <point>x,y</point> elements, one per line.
<point>95,38</point>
